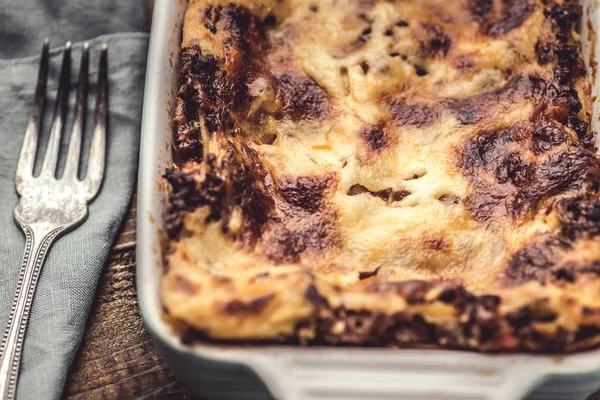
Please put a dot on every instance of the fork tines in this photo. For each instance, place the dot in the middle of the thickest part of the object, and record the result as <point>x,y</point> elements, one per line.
<point>95,169</point>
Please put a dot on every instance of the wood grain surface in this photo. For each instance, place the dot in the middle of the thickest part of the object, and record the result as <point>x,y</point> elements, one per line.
<point>117,359</point>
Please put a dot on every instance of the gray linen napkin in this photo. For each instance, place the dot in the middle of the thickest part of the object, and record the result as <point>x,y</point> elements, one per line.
<point>67,284</point>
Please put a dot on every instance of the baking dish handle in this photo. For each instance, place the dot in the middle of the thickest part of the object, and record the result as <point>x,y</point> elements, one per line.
<point>331,377</point>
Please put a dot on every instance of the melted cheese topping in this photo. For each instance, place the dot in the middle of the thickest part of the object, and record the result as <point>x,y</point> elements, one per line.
<point>334,151</point>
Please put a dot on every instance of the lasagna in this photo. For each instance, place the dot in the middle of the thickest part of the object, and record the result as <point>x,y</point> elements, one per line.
<point>399,173</point>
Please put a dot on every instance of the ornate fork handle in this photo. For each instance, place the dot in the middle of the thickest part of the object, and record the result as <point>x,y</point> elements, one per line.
<point>37,243</point>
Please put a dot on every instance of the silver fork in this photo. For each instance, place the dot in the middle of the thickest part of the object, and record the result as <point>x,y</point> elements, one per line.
<point>49,205</point>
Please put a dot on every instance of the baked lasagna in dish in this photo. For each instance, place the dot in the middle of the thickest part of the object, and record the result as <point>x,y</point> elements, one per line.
<point>403,173</point>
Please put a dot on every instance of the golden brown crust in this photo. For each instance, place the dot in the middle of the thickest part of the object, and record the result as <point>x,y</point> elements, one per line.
<point>385,173</point>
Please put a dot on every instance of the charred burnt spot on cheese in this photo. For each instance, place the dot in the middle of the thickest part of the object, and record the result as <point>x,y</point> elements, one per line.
<point>187,195</point>
<point>212,89</point>
<point>473,109</point>
<point>558,107</point>
<point>237,181</point>
<point>203,69</point>
<point>249,189</point>
<point>304,221</point>
<point>412,115</point>
<point>562,104</point>
<point>254,306</point>
<point>433,41</point>
<point>187,135</point>
<point>189,107</point>
<point>569,66</point>
<point>513,170</point>
<point>516,12</point>
<point>211,17</point>
<point>545,50</point>
<point>468,110</point>
<point>548,136</point>
<point>224,83</point>
<point>245,30</point>
<point>307,192</point>
<point>480,8</point>
<point>541,260</point>
<point>245,37</point>
<point>368,274</point>
<point>301,97</point>
<point>565,17</point>
<point>300,233</point>
<point>375,137</point>
<point>579,217</point>
<point>510,15</point>
<point>534,262</point>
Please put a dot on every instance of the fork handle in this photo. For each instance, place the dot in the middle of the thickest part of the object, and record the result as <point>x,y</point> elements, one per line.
<point>37,244</point>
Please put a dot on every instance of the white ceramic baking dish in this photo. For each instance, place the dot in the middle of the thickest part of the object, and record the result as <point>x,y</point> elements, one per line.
<point>295,373</point>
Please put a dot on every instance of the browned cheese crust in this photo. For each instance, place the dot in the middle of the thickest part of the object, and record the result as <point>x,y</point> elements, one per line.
<point>406,173</point>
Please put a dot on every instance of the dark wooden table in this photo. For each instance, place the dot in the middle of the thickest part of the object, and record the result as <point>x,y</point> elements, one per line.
<point>117,359</point>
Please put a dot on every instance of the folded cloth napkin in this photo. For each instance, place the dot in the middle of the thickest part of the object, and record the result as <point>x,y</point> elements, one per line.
<point>67,283</point>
